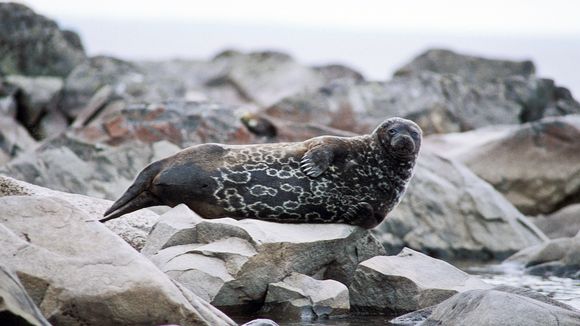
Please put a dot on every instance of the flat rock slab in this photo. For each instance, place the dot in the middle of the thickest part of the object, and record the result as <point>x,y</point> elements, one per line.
<point>407,282</point>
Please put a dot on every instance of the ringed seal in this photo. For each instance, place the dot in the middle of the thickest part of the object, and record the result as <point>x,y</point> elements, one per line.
<point>353,180</point>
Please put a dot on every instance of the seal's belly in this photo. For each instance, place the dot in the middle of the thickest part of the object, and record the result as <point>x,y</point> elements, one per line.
<point>271,186</point>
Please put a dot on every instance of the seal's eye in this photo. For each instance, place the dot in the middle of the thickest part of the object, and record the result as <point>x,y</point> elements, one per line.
<point>392,132</point>
<point>415,134</point>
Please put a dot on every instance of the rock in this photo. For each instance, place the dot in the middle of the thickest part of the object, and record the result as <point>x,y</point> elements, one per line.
<point>181,123</point>
<point>66,163</point>
<point>261,322</point>
<point>564,223</point>
<point>14,139</point>
<point>472,69</point>
<point>133,228</point>
<point>33,45</point>
<point>230,263</point>
<point>8,94</point>
<point>265,77</point>
<point>174,228</point>
<point>498,306</point>
<point>438,102</point>
<point>333,73</point>
<point>450,213</point>
<point>558,257</point>
<point>301,297</point>
<point>126,80</point>
<point>78,272</point>
<point>407,282</point>
<point>534,165</point>
<point>16,306</point>
<point>37,96</point>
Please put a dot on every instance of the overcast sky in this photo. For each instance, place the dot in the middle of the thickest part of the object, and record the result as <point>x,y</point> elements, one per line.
<point>528,17</point>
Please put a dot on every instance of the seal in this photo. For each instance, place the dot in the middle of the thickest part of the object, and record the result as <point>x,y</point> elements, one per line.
<point>353,180</point>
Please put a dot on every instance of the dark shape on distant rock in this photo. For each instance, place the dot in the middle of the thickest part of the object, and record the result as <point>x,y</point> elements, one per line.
<point>31,44</point>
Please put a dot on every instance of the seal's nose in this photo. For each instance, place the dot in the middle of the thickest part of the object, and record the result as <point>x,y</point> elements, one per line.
<point>403,144</point>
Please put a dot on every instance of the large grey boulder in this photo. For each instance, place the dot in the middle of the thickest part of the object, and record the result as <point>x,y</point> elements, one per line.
<point>133,228</point>
<point>31,44</point>
<point>471,68</point>
<point>68,164</point>
<point>564,223</point>
<point>300,296</point>
<point>438,102</point>
<point>500,306</point>
<point>231,263</point>
<point>16,306</point>
<point>449,212</point>
<point>79,272</point>
<point>559,257</point>
<point>407,282</point>
<point>265,77</point>
<point>534,165</point>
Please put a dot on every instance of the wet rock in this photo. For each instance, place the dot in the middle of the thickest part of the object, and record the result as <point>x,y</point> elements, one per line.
<point>79,272</point>
<point>66,163</point>
<point>261,322</point>
<point>301,297</point>
<point>407,282</point>
<point>534,165</point>
<point>450,213</point>
<point>266,77</point>
<point>17,307</point>
<point>471,68</point>
<point>564,223</point>
<point>230,263</point>
<point>133,228</point>
<point>14,139</point>
<point>33,45</point>
<point>558,257</point>
<point>497,306</point>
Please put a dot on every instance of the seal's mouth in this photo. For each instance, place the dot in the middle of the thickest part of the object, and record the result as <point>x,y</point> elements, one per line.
<point>403,145</point>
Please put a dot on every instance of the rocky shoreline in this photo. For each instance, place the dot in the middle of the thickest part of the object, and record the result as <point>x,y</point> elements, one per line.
<point>498,181</point>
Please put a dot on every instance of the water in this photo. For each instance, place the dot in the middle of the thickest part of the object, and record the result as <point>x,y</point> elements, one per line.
<point>562,289</point>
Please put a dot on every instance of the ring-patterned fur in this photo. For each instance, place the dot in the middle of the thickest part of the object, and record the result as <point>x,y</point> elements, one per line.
<point>353,180</point>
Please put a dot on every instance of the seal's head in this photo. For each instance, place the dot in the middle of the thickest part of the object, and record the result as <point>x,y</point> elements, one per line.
<point>399,136</point>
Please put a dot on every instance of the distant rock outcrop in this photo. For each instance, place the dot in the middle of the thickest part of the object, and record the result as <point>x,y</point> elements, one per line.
<point>33,45</point>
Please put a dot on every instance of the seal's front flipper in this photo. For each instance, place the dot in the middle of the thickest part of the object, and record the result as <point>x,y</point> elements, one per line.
<point>316,160</point>
<point>359,212</point>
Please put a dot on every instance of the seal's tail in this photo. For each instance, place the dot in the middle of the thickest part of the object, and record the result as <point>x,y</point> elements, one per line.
<point>137,196</point>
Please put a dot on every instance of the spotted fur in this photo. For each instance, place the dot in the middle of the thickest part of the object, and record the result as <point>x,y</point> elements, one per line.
<point>354,180</point>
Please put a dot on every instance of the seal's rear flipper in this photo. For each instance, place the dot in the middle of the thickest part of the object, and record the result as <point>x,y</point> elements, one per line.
<point>137,196</point>
<point>142,200</point>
